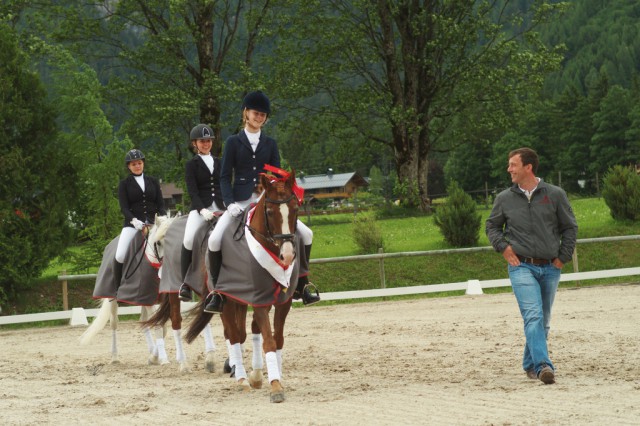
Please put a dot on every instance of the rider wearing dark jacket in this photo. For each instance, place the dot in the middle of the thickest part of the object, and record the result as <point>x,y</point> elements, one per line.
<point>140,200</point>
<point>245,156</point>
<point>202,175</point>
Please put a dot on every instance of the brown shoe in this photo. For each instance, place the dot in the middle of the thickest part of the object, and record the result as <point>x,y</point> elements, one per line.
<point>532,374</point>
<point>547,376</point>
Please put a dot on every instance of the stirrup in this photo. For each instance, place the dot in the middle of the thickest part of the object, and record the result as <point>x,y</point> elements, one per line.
<point>308,298</point>
<point>214,303</point>
<point>185,294</point>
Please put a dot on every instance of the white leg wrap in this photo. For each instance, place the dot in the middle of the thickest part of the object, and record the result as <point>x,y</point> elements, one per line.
<point>235,359</point>
<point>209,344</point>
<point>256,361</point>
<point>180,356</point>
<point>229,352</point>
<point>149,339</point>
<point>114,342</point>
<point>162,352</point>
<point>273,371</point>
<point>279,357</point>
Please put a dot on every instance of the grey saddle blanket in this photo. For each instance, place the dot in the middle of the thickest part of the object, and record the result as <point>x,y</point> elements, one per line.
<point>196,277</point>
<point>139,285</point>
<point>243,279</point>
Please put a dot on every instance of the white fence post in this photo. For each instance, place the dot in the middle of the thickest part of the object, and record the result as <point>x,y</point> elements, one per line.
<point>473,287</point>
<point>78,317</point>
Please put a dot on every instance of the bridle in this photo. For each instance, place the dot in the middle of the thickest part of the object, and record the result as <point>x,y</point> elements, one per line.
<point>276,239</point>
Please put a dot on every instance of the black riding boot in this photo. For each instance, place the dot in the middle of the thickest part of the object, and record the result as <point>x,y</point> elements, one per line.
<point>215,300</point>
<point>303,289</point>
<point>117,273</point>
<point>185,294</point>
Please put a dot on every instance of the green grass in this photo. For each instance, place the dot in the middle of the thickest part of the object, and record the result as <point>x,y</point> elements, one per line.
<point>420,234</point>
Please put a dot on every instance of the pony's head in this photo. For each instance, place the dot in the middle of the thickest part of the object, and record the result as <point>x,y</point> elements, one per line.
<point>280,205</point>
<point>155,239</point>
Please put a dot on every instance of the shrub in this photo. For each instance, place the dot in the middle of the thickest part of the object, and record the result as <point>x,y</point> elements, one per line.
<point>621,193</point>
<point>458,219</point>
<point>366,233</point>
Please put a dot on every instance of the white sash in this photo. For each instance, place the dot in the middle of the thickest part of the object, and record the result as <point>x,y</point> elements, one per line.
<point>268,260</point>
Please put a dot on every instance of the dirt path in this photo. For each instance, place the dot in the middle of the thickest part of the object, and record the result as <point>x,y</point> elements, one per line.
<point>453,360</point>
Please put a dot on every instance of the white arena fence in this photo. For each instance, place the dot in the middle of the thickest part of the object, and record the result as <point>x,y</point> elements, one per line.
<point>78,316</point>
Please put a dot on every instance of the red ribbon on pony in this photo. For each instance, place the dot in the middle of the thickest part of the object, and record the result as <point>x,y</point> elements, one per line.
<point>284,175</point>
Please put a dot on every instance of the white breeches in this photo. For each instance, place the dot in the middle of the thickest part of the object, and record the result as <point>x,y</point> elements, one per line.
<point>215,239</point>
<point>126,236</point>
<point>306,234</point>
<point>194,221</point>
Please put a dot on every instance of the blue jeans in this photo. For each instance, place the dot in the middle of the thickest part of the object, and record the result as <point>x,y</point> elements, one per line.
<point>535,288</point>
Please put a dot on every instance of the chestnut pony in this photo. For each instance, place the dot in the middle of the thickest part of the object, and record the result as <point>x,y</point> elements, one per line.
<point>259,269</point>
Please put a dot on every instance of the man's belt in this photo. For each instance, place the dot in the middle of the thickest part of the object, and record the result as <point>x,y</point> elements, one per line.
<point>534,260</point>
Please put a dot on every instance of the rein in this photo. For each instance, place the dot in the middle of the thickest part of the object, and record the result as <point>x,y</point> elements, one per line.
<point>275,239</point>
<point>129,273</point>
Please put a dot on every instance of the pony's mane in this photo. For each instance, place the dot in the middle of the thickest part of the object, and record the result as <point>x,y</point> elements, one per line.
<point>161,228</point>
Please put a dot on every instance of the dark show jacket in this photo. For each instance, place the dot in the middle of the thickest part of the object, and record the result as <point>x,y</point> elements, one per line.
<point>202,185</point>
<point>142,205</point>
<point>240,162</point>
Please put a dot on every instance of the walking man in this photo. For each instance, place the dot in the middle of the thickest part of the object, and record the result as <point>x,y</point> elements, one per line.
<point>533,226</point>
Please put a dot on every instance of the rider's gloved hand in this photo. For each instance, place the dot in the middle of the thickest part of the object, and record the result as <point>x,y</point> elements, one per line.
<point>234,209</point>
<point>206,214</point>
<point>137,223</point>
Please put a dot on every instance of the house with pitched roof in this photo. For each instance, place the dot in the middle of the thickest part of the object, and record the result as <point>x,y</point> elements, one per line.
<point>331,185</point>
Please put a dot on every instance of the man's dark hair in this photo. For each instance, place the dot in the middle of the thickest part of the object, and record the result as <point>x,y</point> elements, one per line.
<point>528,156</point>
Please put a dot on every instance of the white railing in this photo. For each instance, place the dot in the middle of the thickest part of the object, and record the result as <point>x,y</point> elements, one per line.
<point>77,316</point>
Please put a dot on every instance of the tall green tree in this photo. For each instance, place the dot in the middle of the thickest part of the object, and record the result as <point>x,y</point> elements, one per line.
<point>609,143</point>
<point>34,176</point>
<point>402,73</point>
<point>88,142</point>
<point>166,64</point>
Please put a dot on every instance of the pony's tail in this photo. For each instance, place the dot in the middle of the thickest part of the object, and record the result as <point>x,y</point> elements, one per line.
<point>98,323</point>
<point>161,315</point>
<point>199,322</point>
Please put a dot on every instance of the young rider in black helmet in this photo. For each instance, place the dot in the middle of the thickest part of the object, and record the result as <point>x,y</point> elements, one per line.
<point>202,175</point>
<point>140,200</point>
<point>245,156</point>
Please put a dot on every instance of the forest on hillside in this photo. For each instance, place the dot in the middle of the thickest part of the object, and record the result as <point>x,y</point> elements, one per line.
<point>417,94</point>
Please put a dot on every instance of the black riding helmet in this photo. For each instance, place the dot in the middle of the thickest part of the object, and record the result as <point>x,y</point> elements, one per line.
<point>257,101</point>
<point>201,131</point>
<point>132,155</point>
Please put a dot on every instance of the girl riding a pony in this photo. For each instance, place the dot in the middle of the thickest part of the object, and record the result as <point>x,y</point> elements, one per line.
<point>245,156</point>
<point>202,176</point>
<point>140,199</point>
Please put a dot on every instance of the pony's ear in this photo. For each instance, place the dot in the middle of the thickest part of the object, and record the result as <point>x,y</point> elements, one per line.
<point>264,183</point>
<point>291,180</point>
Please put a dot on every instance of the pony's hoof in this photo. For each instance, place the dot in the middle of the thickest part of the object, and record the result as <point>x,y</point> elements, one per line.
<point>277,396</point>
<point>243,385</point>
<point>255,379</point>
<point>227,368</point>
<point>277,391</point>
<point>209,364</point>
<point>164,361</point>
<point>153,360</point>
<point>184,368</point>
<point>115,361</point>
